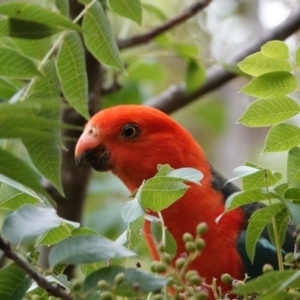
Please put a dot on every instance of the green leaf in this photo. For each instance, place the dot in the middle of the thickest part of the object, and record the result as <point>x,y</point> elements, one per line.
<point>132,211</point>
<point>258,222</point>
<point>282,137</point>
<point>7,88</point>
<point>245,197</point>
<point>33,13</point>
<point>133,277</point>
<point>87,269</point>
<point>257,64</point>
<point>14,283</point>
<point>171,245</point>
<point>294,211</point>
<point>134,233</point>
<point>83,249</point>
<point>271,85</point>
<point>18,170</point>
<point>281,219</point>
<point>45,154</point>
<point>130,9</point>
<point>266,112</point>
<point>297,58</point>
<point>28,222</point>
<point>10,62</point>
<point>276,49</point>
<point>155,11</point>
<point>55,235</point>
<point>83,231</point>
<point>186,175</point>
<point>270,283</point>
<point>62,6</point>
<point>26,29</point>
<point>12,198</point>
<point>188,51</point>
<point>36,48</point>
<point>293,165</point>
<point>243,171</point>
<point>195,75</point>
<point>98,36</point>
<point>72,73</point>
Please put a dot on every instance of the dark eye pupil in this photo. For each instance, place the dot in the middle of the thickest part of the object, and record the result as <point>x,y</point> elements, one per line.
<point>129,131</point>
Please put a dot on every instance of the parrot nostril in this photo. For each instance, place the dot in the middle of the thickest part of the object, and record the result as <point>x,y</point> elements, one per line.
<point>92,131</point>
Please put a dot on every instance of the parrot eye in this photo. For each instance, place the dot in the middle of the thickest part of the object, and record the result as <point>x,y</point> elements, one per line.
<point>130,131</point>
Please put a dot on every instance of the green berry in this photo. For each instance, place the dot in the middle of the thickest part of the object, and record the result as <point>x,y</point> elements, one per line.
<point>187,237</point>
<point>119,278</point>
<point>201,296</point>
<point>102,284</point>
<point>76,284</point>
<point>190,247</point>
<point>200,244</point>
<point>289,257</point>
<point>226,278</point>
<point>190,274</point>
<point>161,248</point>
<point>158,267</point>
<point>107,295</point>
<point>195,279</point>
<point>201,228</point>
<point>239,283</point>
<point>267,268</point>
<point>166,258</point>
<point>180,263</point>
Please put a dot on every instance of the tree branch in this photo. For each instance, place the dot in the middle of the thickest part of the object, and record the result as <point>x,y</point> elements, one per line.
<point>154,32</point>
<point>175,96</point>
<point>54,290</point>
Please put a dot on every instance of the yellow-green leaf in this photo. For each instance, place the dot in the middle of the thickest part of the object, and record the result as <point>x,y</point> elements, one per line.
<point>276,49</point>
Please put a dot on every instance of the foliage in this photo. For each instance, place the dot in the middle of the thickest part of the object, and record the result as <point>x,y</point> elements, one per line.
<point>33,78</point>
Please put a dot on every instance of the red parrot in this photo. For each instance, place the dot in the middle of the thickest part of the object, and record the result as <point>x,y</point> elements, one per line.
<point>130,141</point>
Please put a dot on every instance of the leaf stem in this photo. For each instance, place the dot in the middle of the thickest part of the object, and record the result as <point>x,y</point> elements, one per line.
<point>163,235</point>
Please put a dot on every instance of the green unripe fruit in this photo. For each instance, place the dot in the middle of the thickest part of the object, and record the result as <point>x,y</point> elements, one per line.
<point>201,228</point>
<point>190,274</point>
<point>76,284</point>
<point>195,279</point>
<point>107,295</point>
<point>267,268</point>
<point>289,257</point>
<point>161,248</point>
<point>187,237</point>
<point>102,284</point>
<point>201,296</point>
<point>226,278</point>
<point>239,283</point>
<point>190,247</point>
<point>119,278</point>
<point>158,267</point>
<point>180,262</point>
<point>200,244</point>
<point>166,258</point>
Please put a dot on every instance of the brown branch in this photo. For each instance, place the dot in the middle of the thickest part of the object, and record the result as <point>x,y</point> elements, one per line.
<point>54,290</point>
<point>175,97</point>
<point>154,32</point>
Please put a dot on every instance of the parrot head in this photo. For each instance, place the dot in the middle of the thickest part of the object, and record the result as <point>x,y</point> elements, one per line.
<point>131,140</point>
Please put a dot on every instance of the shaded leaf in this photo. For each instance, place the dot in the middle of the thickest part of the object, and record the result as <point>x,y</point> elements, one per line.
<point>98,36</point>
<point>258,64</point>
<point>72,72</point>
<point>7,88</point>
<point>266,112</point>
<point>132,211</point>
<point>282,137</point>
<point>14,283</point>
<point>86,249</point>
<point>33,13</point>
<point>130,9</point>
<point>259,219</point>
<point>281,219</point>
<point>62,6</point>
<point>195,75</point>
<point>26,29</point>
<point>28,222</point>
<point>10,62</point>
<point>271,85</point>
<point>127,288</point>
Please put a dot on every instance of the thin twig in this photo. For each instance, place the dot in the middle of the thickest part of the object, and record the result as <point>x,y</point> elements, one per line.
<point>154,32</point>
<point>52,289</point>
<point>176,97</point>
